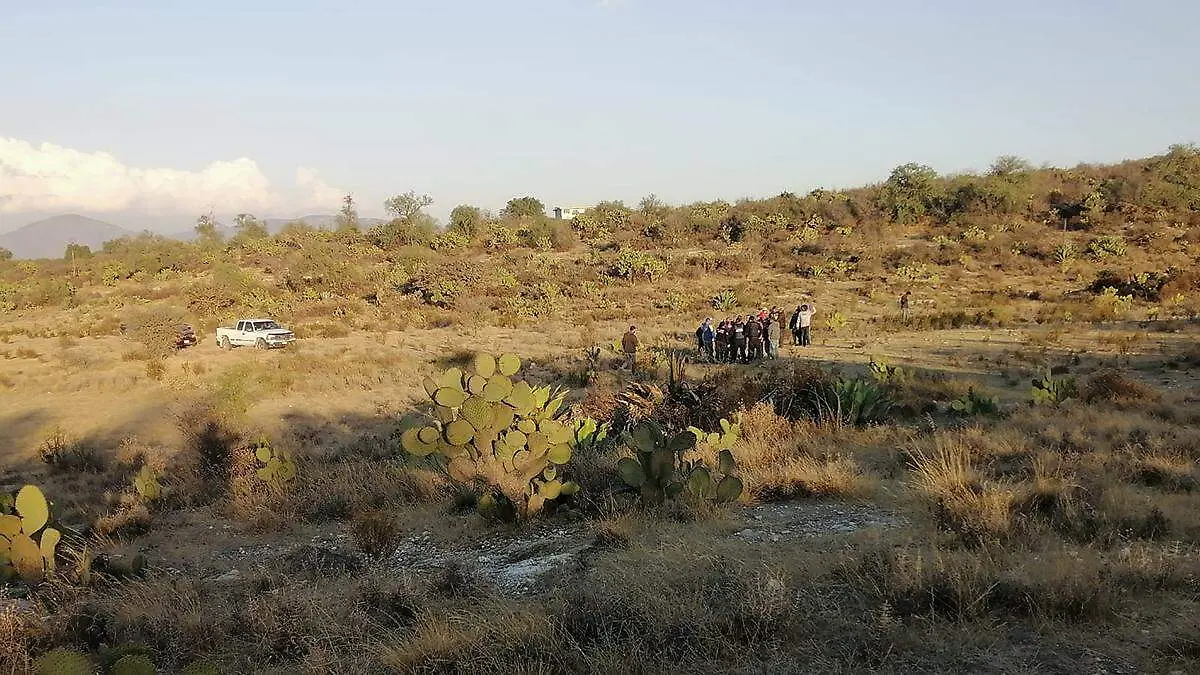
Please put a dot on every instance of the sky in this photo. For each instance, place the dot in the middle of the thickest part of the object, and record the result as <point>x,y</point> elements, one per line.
<point>151,112</point>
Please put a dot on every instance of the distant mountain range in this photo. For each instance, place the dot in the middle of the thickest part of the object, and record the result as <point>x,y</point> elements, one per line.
<point>49,238</point>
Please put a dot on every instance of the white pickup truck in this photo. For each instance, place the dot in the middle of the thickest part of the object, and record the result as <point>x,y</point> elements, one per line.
<point>261,333</point>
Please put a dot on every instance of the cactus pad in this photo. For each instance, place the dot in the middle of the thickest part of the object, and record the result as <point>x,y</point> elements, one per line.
<point>484,365</point>
<point>10,526</point>
<point>31,505</point>
<point>559,454</point>
<point>26,558</point>
<point>498,388</point>
<point>450,397</point>
<point>476,384</point>
<point>508,365</point>
<point>631,472</point>
<point>48,547</point>
<point>63,661</point>
<point>459,432</point>
<point>133,664</point>
<point>729,489</point>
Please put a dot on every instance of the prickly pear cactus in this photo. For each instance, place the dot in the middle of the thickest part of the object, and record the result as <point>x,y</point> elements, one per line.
<point>201,668</point>
<point>724,439</point>
<point>589,435</point>
<point>146,484</point>
<point>489,429</point>
<point>63,661</point>
<point>133,664</point>
<point>659,469</point>
<point>27,545</point>
<point>275,467</point>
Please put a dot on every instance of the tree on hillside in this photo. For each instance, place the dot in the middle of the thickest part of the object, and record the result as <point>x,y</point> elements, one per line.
<point>249,227</point>
<point>523,206</point>
<point>5,254</point>
<point>207,234</point>
<point>1008,166</point>
<point>410,225</point>
<point>77,252</point>
<point>407,206</point>
<point>909,193</point>
<point>347,218</point>
<point>466,220</point>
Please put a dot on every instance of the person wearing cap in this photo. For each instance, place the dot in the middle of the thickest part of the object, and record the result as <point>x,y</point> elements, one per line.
<point>629,345</point>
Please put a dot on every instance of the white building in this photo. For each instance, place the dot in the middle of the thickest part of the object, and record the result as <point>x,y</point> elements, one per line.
<point>568,212</point>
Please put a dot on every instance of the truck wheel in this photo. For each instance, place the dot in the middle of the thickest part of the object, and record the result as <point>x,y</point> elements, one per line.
<point>260,343</point>
<point>223,343</point>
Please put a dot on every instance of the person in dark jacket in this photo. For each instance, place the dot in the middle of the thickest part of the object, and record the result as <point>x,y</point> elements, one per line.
<point>794,326</point>
<point>708,337</point>
<point>739,340</point>
<point>754,334</point>
<point>721,341</point>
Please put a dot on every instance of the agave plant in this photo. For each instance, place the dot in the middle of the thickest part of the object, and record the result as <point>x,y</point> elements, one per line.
<point>725,300</point>
<point>855,402</point>
<point>27,544</point>
<point>659,471</point>
<point>497,434</point>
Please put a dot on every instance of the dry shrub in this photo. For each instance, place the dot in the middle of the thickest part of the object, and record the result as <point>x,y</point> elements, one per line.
<point>19,632</point>
<point>964,502</point>
<point>337,490</point>
<point>1111,385</point>
<point>375,533</point>
<point>915,580</point>
<point>156,369</point>
<point>128,521</point>
<point>67,454</point>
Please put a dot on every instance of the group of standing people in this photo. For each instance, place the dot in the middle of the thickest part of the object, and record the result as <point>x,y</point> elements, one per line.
<point>742,339</point>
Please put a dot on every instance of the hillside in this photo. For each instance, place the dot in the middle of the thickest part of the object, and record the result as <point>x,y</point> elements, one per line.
<point>1006,479</point>
<point>48,238</point>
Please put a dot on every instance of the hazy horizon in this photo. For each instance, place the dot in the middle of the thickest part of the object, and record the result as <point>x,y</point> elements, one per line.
<point>147,116</point>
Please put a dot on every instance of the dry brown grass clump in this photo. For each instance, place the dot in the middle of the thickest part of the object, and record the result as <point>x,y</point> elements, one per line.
<point>375,533</point>
<point>778,460</point>
<point>1112,385</point>
<point>964,501</point>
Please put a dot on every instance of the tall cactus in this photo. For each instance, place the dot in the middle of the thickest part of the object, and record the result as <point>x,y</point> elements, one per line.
<point>27,545</point>
<point>491,430</point>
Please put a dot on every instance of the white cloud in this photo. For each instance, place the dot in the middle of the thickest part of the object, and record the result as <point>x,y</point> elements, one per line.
<point>52,178</point>
<point>319,193</point>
